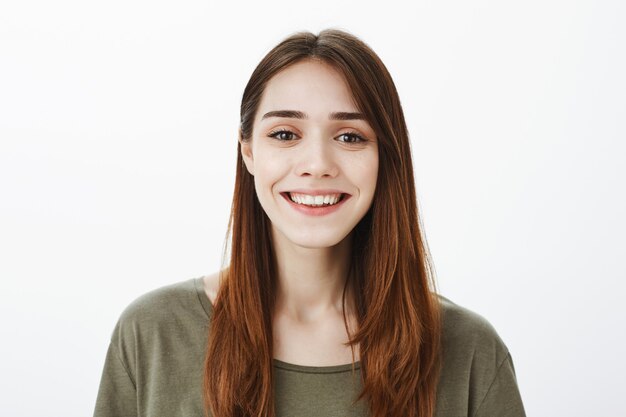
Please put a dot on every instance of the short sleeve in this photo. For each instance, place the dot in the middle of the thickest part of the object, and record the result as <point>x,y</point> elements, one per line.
<point>503,398</point>
<point>117,394</point>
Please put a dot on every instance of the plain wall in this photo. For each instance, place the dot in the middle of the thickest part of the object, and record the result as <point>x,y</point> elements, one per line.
<point>118,125</point>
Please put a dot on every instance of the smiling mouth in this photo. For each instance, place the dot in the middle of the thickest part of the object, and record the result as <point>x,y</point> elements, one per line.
<point>331,202</point>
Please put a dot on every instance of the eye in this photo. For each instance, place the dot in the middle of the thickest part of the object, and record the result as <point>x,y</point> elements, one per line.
<point>281,134</point>
<point>353,137</point>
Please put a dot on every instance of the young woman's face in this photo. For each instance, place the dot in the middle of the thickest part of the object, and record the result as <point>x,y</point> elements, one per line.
<point>309,140</point>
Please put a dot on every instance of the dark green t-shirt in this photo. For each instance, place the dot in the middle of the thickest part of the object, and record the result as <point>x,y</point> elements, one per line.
<point>154,365</point>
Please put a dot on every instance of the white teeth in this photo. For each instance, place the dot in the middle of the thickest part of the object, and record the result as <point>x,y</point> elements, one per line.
<point>315,201</point>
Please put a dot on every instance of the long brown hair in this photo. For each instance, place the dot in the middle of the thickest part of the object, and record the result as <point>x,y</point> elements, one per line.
<point>391,275</point>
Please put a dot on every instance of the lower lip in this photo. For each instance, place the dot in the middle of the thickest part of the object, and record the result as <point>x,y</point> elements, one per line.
<point>316,211</point>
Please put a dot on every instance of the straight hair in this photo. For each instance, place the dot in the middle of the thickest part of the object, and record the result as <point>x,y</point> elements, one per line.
<point>391,274</point>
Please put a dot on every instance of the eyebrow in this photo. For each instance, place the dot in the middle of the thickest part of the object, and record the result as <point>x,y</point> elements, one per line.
<point>294,114</point>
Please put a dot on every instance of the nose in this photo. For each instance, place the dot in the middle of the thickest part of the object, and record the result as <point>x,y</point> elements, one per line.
<point>316,157</point>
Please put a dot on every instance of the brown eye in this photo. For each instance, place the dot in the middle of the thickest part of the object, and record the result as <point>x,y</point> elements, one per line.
<point>352,137</point>
<point>282,135</point>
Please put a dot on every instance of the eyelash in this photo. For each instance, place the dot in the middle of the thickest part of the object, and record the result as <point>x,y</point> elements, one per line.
<point>274,133</point>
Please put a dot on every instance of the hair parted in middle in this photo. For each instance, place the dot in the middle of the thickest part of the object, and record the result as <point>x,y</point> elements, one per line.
<point>391,272</point>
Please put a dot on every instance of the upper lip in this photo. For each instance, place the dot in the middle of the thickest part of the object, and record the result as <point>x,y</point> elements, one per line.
<point>316,192</point>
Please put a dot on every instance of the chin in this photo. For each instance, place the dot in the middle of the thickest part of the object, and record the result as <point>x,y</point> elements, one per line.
<point>315,245</point>
<point>317,242</point>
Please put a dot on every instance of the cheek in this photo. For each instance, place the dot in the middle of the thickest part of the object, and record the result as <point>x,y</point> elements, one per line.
<point>365,172</point>
<point>269,169</point>
<point>373,178</point>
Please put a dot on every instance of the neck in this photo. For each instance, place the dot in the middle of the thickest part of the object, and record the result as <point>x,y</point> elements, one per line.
<point>310,281</point>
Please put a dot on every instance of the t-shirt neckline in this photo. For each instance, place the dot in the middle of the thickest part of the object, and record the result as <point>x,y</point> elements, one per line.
<point>208,309</point>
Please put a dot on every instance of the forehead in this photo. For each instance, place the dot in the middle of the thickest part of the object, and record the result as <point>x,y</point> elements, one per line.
<point>309,86</point>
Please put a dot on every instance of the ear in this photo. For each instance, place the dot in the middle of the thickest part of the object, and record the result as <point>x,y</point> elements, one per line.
<point>246,153</point>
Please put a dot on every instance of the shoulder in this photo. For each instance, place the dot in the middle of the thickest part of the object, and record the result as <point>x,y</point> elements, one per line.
<point>166,310</point>
<point>470,343</point>
<point>211,284</point>
<point>464,328</point>
<point>159,323</point>
<point>473,355</point>
<point>158,304</point>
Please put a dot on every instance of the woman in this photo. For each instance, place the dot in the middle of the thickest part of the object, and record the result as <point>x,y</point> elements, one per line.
<point>328,306</point>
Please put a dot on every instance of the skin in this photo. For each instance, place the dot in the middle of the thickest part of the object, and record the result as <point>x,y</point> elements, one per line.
<point>312,251</point>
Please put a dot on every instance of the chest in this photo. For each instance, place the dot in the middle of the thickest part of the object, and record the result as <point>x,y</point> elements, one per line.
<point>320,344</point>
